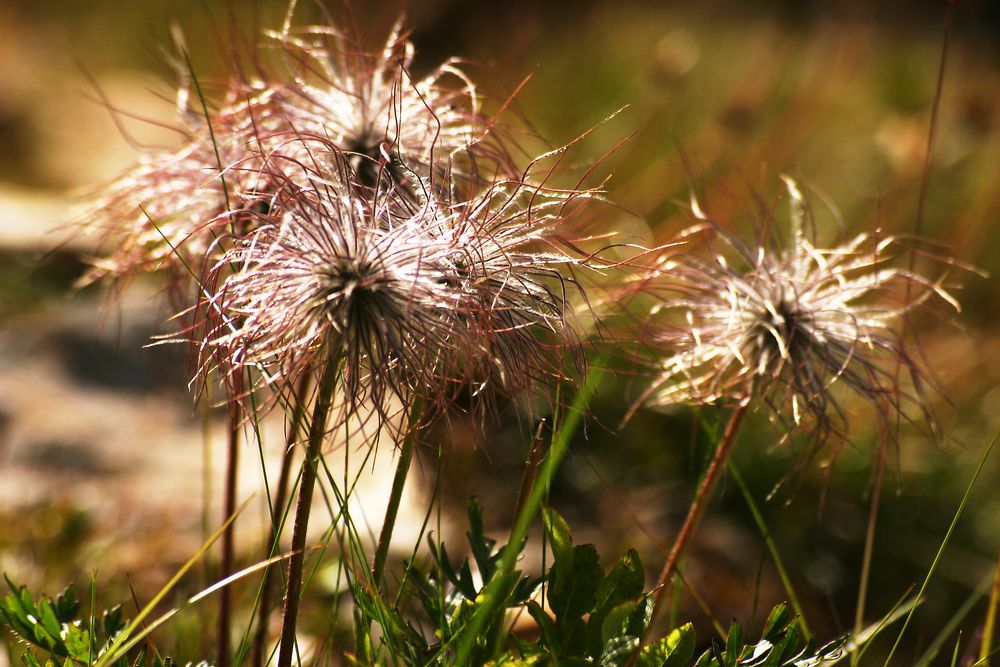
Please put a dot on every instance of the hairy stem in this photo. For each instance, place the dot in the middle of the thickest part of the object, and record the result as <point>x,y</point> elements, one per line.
<point>317,431</point>
<point>704,493</point>
<point>277,519</point>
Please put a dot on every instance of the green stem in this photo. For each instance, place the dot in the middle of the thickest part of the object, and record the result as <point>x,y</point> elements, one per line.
<point>944,543</point>
<point>986,647</point>
<point>392,509</point>
<point>495,592</point>
<point>772,548</point>
<point>866,559</point>
<point>317,431</point>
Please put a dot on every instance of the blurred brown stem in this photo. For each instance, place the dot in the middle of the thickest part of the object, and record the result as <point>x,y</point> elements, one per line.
<point>228,510</point>
<point>703,495</point>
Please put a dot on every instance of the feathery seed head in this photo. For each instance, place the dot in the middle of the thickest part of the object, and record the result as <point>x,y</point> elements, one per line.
<point>327,278</point>
<point>785,325</point>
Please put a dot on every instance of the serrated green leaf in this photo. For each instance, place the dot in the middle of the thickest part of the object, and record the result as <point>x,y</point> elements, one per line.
<point>624,582</point>
<point>78,643</point>
<point>617,651</point>
<point>482,546</point>
<point>26,602</point>
<point>574,637</point>
<point>47,618</point>
<point>18,618</point>
<point>15,602</point>
<point>546,626</point>
<point>707,660</point>
<point>571,593</point>
<point>41,636</point>
<point>674,650</point>
<point>640,617</point>
<point>785,648</point>
<point>112,622</point>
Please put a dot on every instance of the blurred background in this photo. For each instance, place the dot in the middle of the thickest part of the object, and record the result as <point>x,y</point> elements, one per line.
<point>102,467</point>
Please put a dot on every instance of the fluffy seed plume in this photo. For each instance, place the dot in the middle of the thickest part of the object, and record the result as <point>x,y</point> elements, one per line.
<point>391,126</point>
<point>785,325</point>
<point>413,307</point>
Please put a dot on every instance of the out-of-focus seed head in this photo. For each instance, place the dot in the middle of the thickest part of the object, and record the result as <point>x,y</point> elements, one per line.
<point>322,87</point>
<point>392,127</point>
<point>787,325</point>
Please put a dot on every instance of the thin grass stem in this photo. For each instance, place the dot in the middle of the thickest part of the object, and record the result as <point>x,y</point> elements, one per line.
<point>944,542</point>
<point>493,594</point>
<point>277,519</point>
<point>866,558</point>
<point>712,473</point>
<point>704,493</point>
<point>948,628</point>
<point>772,548</point>
<point>224,628</point>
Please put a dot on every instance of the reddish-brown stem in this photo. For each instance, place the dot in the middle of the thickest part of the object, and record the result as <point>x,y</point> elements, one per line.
<point>530,470</point>
<point>701,498</point>
<point>228,546</point>
<point>277,519</point>
<point>317,432</point>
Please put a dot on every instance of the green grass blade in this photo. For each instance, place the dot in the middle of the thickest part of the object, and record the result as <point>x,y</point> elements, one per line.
<point>772,548</point>
<point>114,650</point>
<point>935,646</point>
<point>194,599</point>
<point>944,542</point>
<point>560,442</point>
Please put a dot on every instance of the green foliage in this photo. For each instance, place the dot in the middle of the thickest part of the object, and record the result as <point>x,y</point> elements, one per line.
<point>54,632</point>
<point>782,642</point>
<point>593,616</point>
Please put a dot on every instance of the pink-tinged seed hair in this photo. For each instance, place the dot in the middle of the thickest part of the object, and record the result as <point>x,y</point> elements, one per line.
<point>390,125</point>
<point>785,325</point>
<point>415,306</point>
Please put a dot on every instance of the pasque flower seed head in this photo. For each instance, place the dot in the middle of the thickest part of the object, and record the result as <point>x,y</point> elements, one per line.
<point>786,325</point>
